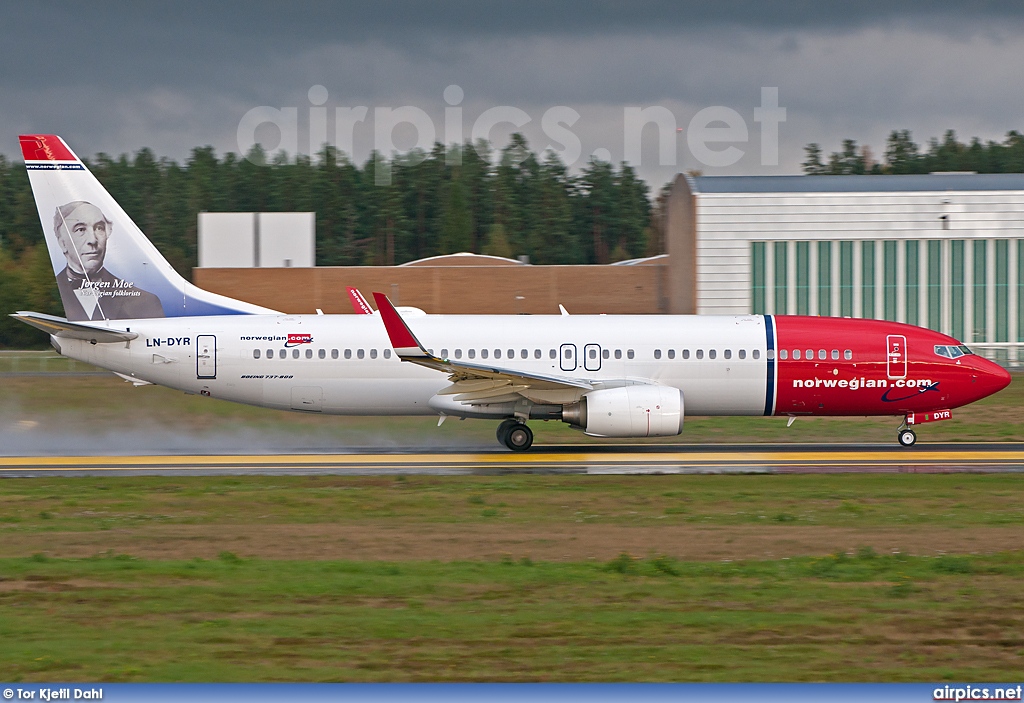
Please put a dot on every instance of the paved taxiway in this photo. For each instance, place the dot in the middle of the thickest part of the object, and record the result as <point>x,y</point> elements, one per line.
<point>573,459</point>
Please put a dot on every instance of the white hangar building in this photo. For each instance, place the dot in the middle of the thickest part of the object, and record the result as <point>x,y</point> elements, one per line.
<point>944,251</point>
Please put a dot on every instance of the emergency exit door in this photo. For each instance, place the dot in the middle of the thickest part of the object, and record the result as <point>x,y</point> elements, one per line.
<point>896,361</point>
<point>567,357</point>
<point>206,356</point>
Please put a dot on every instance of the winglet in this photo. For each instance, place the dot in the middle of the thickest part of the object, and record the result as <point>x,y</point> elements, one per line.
<point>359,304</point>
<point>402,339</point>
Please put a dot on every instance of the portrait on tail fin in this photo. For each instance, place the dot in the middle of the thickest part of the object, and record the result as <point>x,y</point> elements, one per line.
<point>88,290</point>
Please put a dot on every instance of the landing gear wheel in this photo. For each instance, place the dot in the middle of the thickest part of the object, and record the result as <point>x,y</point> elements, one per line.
<point>504,428</point>
<point>519,438</point>
<point>906,438</point>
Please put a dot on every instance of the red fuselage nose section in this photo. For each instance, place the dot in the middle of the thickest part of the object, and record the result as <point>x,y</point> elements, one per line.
<point>830,366</point>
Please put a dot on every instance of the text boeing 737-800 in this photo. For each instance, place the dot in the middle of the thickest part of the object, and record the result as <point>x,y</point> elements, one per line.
<point>611,376</point>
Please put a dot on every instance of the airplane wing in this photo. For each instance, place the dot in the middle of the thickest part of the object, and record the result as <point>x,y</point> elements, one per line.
<point>59,327</point>
<point>470,382</point>
<point>359,304</point>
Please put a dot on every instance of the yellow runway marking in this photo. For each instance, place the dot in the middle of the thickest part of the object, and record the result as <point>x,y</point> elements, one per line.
<point>792,458</point>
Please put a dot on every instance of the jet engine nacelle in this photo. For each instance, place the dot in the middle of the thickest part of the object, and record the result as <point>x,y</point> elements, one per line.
<point>630,411</point>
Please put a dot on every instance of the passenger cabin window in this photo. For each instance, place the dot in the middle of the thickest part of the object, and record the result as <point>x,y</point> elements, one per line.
<point>618,353</point>
<point>848,354</point>
<point>712,353</point>
<point>270,353</point>
<point>524,353</point>
<point>686,353</point>
<point>348,353</point>
<point>552,354</point>
<point>497,353</point>
<point>334,353</point>
<point>444,353</point>
<point>700,353</point>
<point>822,355</point>
<point>727,353</point>
<point>511,353</point>
<point>629,354</point>
<point>387,353</point>
<point>309,353</point>
<point>295,353</point>
<point>483,353</point>
<point>657,353</point>
<point>604,353</point>
<point>835,355</point>
<point>322,353</point>
<point>592,353</point>
<point>373,353</point>
<point>471,353</point>
<point>458,353</point>
<point>783,354</point>
<point>770,354</point>
<point>255,353</point>
<point>810,354</point>
<point>536,353</point>
<point>743,353</point>
<point>671,353</point>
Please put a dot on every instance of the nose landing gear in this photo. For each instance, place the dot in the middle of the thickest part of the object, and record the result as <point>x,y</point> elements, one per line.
<point>515,435</point>
<point>906,437</point>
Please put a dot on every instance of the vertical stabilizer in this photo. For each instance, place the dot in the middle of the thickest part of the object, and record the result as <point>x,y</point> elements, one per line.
<point>105,266</point>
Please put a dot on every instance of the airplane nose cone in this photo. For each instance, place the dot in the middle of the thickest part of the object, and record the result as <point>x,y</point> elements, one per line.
<point>991,377</point>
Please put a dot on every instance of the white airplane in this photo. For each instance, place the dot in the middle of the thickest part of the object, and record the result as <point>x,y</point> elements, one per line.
<point>128,311</point>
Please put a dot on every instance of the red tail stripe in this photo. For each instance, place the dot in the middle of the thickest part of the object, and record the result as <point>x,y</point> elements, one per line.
<point>44,147</point>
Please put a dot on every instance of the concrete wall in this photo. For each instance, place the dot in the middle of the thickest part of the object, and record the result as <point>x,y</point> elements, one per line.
<point>451,289</point>
<point>247,239</point>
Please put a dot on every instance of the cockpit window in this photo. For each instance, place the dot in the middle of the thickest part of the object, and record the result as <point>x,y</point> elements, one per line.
<point>951,351</point>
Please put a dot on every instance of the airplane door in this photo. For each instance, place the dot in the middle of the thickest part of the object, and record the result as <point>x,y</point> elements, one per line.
<point>567,356</point>
<point>896,356</point>
<point>206,356</point>
<point>592,357</point>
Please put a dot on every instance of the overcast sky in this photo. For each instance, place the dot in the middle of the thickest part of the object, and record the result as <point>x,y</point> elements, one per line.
<point>112,77</point>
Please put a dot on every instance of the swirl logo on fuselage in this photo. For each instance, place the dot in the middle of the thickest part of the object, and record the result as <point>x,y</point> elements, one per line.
<point>295,340</point>
<point>913,394</point>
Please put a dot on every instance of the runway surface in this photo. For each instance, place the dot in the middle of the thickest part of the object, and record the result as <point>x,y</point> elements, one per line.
<point>571,459</point>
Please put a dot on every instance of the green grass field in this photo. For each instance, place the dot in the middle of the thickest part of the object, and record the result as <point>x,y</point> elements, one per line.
<point>512,578</point>
<point>517,578</point>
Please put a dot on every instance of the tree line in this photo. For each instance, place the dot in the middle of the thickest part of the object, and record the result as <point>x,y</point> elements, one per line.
<point>903,156</point>
<point>456,198</point>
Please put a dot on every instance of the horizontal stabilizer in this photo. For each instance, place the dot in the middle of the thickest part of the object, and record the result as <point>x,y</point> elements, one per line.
<point>59,327</point>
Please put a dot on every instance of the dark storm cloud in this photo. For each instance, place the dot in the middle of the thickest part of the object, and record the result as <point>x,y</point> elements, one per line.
<point>116,76</point>
<point>200,42</point>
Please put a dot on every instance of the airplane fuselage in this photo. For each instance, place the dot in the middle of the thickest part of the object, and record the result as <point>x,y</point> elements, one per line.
<point>723,365</point>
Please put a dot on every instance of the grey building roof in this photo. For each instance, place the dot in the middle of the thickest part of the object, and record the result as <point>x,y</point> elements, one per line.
<point>857,184</point>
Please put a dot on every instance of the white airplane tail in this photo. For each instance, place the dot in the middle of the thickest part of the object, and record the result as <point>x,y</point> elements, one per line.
<point>105,266</point>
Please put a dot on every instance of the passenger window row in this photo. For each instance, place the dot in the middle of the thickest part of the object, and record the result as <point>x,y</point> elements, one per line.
<point>711,354</point>
<point>808,355</point>
<point>525,353</point>
<point>320,353</point>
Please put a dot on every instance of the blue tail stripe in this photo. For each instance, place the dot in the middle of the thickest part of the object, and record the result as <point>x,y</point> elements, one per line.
<point>769,392</point>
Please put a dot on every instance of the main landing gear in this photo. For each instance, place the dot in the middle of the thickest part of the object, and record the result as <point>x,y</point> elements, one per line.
<point>515,435</point>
